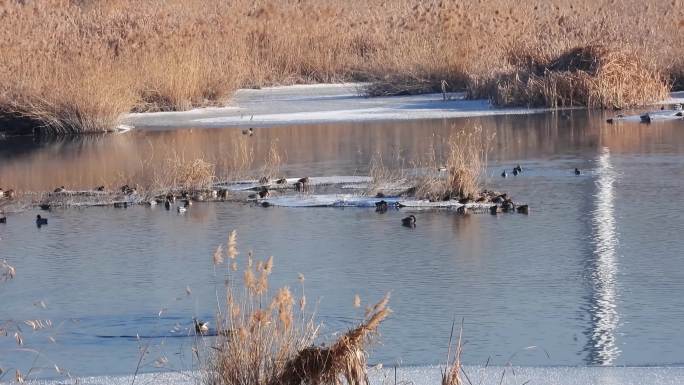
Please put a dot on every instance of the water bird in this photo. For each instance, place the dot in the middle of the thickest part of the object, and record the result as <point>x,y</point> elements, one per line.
<point>517,167</point>
<point>645,118</point>
<point>121,205</point>
<point>167,204</point>
<point>45,206</point>
<point>409,221</point>
<point>381,206</point>
<point>170,198</point>
<point>299,186</point>
<point>610,120</point>
<point>494,209</point>
<point>263,193</point>
<point>523,209</point>
<point>249,131</point>
<point>577,171</point>
<point>281,181</point>
<point>60,189</point>
<point>678,107</point>
<point>40,221</point>
<point>201,327</point>
<point>99,188</point>
<point>462,210</point>
<point>181,209</point>
<point>441,168</point>
<point>508,206</point>
<point>304,180</point>
<point>3,219</point>
<point>515,172</point>
<point>152,202</point>
<point>504,174</point>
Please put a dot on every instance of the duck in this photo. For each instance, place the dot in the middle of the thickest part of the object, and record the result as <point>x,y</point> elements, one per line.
<point>100,188</point>
<point>263,193</point>
<point>40,221</point>
<point>281,181</point>
<point>577,171</point>
<point>201,327</point>
<point>121,205</point>
<point>515,172</point>
<point>610,120</point>
<point>381,206</point>
<point>170,198</point>
<point>441,168</point>
<point>249,131</point>
<point>299,186</point>
<point>504,174</point>
<point>167,204</point>
<point>462,210</point>
<point>494,209</point>
<point>409,221</point>
<point>304,180</point>
<point>517,167</point>
<point>508,206</point>
<point>60,189</point>
<point>678,107</point>
<point>523,209</point>
<point>3,219</point>
<point>184,207</point>
<point>44,206</point>
<point>645,118</point>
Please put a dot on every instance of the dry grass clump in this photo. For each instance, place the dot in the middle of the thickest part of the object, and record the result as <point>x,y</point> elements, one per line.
<point>178,173</point>
<point>460,171</point>
<point>266,337</point>
<point>591,76</point>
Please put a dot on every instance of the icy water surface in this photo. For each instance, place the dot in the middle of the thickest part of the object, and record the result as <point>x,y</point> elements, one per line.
<point>593,276</point>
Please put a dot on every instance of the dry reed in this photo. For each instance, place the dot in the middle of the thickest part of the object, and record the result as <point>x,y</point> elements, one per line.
<point>75,66</point>
<point>266,336</point>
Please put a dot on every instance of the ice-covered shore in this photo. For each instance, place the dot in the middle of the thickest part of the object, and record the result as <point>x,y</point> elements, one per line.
<point>430,375</point>
<point>325,103</point>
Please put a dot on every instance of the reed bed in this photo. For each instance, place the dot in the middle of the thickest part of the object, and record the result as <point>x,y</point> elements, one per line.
<point>268,336</point>
<point>76,66</point>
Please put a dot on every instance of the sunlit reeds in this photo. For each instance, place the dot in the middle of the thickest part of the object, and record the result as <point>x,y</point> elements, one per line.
<point>75,66</point>
<point>268,336</point>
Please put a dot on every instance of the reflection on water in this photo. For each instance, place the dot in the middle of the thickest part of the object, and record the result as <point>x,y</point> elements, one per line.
<point>602,346</point>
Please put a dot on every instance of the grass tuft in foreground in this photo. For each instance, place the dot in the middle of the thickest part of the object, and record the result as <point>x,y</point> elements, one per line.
<point>267,336</point>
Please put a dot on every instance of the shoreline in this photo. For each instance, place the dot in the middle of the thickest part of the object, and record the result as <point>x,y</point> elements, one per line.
<point>430,375</point>
<point>327,103</point>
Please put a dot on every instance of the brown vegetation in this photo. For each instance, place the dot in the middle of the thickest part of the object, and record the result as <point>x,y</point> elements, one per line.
<point>76,65</point>
<point>267,337</point>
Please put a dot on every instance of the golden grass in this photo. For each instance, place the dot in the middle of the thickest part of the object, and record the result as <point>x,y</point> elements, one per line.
<point>75,66</point>
<point>266,336</point>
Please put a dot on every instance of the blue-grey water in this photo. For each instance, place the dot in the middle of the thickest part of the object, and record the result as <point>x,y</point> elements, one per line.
<point>593,276</point>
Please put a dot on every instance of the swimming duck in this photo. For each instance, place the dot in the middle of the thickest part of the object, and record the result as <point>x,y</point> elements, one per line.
<point>577,171</point>
<point>249,131</point>
<point>167,204</point>
<point>281,181</point>
<point>170,198</point>
<point>263,193</point>
<point>299,186</point>
<point>201,327</point>
<point>99,188</point>
<point>121,205</point>
<point>409,221</point>
<point>41,221</point>
<point>304,180</point>
<point>60,189</point>
<point>494,209</point>
<point>523,209</point>
<point>181,209</point>
<point>462,210</point>
<point>515,172</point>
<point>645,118</point>
<point>3,219</point>
<point>45,206</point>
<point>677,107</point>
<point>518,168</point>
<point>504,174</point>
<point>381,206</point>
<point>441,168</point>
<point>508,206</point>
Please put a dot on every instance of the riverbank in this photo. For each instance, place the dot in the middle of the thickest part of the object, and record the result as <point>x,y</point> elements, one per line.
<point>430,375</point>
<point>327,103</point>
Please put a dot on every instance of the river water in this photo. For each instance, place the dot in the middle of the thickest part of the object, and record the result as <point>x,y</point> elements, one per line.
<point>593,276</point>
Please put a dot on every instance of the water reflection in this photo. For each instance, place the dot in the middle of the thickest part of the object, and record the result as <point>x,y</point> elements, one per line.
<point>601,345</point>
